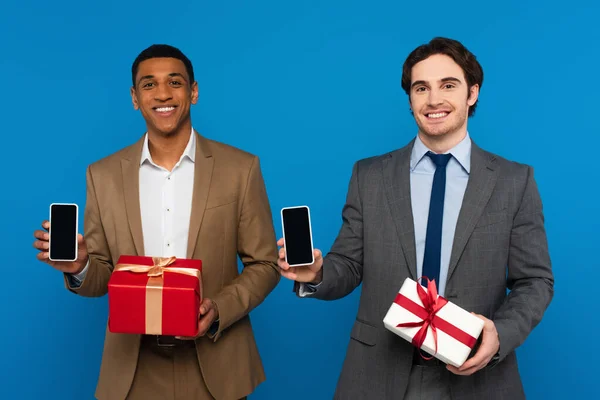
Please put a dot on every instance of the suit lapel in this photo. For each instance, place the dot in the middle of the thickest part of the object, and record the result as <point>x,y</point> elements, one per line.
<point>130,170</point>
<point>396,175</point>
<point>203,169</point>
<point>478,192</point>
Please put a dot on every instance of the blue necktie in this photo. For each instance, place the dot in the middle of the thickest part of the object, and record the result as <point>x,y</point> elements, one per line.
<point>433,238</point>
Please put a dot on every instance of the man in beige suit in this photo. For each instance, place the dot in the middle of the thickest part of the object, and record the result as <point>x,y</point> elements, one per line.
<point>176,193</point>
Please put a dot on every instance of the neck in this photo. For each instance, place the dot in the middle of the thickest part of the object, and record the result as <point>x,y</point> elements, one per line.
<point>441,144</point>
<point>166,150</point>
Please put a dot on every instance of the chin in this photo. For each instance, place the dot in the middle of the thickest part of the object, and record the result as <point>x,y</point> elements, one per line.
<point>168,132</point>
<point>165,130</point>
<point>436,131</point>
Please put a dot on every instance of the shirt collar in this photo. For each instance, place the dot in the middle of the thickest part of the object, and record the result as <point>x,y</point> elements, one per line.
<point>461,153</point>
<point>189,152</point>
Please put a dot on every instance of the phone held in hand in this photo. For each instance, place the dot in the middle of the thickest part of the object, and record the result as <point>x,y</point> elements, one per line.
<point>297,236</point>
<point>63,232</point>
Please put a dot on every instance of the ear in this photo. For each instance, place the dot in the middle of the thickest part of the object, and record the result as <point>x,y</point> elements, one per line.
<point>134,100</point>
<point>194,92</point>
<point>473,95</point>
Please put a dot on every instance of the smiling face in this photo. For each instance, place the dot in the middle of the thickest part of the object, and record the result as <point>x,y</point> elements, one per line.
<point>440,98</point>
<point>164,95</point>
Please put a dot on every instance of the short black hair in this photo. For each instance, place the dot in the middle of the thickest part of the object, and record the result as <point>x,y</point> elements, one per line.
<point>162,51</point>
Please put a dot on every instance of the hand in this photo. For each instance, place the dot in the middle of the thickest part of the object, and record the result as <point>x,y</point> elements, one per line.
<point>308,273</point>
<point>69,267</point>
<point>490,344</point>
<point>208,314</point>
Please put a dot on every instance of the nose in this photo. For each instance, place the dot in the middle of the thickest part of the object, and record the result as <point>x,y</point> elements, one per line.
<point>163,93</point>
<point>435,98</point>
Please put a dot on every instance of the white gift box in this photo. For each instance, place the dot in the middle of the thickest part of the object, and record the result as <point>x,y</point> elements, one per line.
<point>457,329</point>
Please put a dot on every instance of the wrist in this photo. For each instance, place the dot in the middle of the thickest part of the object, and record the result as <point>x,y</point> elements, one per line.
<point>81,266</point>
<point>318,278</point>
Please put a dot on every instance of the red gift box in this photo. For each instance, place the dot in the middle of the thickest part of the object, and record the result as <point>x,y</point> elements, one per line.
<point>155,296</point>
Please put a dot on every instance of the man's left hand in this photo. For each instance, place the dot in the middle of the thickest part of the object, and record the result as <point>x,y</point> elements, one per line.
<point>490,344</point>
<point>208,314</point>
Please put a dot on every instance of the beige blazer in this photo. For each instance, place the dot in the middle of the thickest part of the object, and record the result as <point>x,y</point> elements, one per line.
<point>230,216</point>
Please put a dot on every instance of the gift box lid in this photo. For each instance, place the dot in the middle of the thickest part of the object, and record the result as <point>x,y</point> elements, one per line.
<point>172,280</point>
<point>144,260</point>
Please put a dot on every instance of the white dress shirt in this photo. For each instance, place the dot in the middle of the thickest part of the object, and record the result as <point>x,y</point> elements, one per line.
<point>165,205</point>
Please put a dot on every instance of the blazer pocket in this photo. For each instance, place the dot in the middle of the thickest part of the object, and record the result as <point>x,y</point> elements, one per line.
<point>220,202</point>
<point>364,333</point>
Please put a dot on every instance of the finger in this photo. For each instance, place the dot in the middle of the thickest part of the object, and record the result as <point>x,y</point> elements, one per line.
<point>205,322</point>
<point>42,235</point>
<point>482,353</point>
<point>282,254</point>
<point>475,363</point>
<point>42,256</point>
<point>79,238</point>
<point>283,265</point>
<point>289,275</point>
<point>40,245</point>
<point>205,306</point>
<point>453,369</point>
<point>477,359</point>
<point>470,363</point>
<point>457,371</point>
<point>470,371</point>
<point>280,242</point>
<point>46,225</point>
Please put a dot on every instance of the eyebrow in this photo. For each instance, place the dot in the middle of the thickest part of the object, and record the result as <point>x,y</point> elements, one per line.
<point>443,80</point>
<point>172,74</point>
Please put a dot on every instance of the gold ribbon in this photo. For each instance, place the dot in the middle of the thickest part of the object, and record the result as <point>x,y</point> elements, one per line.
<point>154,287</point>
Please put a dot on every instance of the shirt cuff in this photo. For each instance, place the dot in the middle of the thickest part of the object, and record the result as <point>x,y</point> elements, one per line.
<point>306,289</point>
<point>212,331</point>
<point>75,280</point>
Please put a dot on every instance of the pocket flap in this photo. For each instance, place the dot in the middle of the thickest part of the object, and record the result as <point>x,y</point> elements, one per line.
<point>364,333</point>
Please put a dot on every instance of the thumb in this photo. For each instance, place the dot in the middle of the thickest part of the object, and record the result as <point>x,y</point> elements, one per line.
<point>205,306</point>
<point>318,254</point>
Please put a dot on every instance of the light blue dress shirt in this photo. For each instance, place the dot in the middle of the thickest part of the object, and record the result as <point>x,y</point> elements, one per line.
<point>422,170</point>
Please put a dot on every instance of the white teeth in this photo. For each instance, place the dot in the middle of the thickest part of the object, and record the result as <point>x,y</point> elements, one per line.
<point>437,115</point>
<point>165,109</point>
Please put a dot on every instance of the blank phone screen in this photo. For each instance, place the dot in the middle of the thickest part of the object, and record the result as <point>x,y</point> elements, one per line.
<point>298,241</point>
<point>63,232</point>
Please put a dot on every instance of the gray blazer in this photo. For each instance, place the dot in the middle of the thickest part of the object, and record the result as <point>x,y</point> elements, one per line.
<point>500,243</point>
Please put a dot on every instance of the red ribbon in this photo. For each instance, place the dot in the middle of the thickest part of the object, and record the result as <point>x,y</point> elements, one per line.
<point>432,303</point>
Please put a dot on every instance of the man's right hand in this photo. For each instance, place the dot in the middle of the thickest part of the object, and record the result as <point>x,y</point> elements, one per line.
<point>69,267</point>
<point>307,274</point>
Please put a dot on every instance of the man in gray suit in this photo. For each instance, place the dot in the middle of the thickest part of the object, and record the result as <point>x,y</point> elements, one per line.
<point>444,208</point>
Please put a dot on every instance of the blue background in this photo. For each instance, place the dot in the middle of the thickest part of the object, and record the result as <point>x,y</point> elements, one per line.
<point>310,87</point>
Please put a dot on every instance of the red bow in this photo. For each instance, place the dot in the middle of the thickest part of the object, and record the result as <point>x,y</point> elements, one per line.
<point>432,303</point>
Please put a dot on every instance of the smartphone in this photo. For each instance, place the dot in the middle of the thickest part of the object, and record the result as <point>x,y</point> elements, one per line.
<point>63,232</point>
<point>297,236</point>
